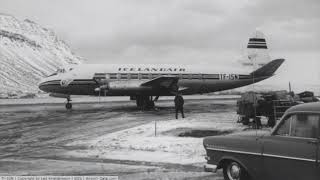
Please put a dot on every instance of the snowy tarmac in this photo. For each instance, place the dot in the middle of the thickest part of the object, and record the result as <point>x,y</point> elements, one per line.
<point>112,138</point>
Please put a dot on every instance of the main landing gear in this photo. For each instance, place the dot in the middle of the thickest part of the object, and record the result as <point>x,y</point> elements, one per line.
<point>145,102</point>
<point>68,105</point>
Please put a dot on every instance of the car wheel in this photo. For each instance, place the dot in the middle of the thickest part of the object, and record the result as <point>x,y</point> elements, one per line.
<point>234,171</point>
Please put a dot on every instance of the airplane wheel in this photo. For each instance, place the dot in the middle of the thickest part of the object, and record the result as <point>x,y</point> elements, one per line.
<point>144,102</point>
<point>150,104</point>
<point>245,120</point>
<point>139,102</point>
<point>68,106</point>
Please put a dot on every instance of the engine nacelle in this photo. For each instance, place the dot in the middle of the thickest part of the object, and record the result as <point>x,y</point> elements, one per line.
<point>124,86</point>
<point>58,95</point>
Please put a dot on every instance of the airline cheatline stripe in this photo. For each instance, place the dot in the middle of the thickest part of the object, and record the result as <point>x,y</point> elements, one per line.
<point>76,81</point>
<point>91,82</point>
<point>257,47</point>
<point>257,43</point>
<point>253,44</point>
<point>182,76</point>
<point>257,40</point>
<point>245,77</point>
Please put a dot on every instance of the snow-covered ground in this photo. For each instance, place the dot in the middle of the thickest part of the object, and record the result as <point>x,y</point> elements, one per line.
<point>113,138</point>
<point>142,143</point>
<point>45,99</point>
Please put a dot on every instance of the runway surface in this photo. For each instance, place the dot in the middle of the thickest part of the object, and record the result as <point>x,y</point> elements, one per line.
<point>36,137</point>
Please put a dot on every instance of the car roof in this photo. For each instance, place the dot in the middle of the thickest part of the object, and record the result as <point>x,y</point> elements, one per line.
<point>307,107</point>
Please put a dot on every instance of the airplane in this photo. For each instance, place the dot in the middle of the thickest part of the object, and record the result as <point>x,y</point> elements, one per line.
<point>146,83</point>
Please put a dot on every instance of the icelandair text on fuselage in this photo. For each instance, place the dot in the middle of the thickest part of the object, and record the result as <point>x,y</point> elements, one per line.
<point>153,69</point>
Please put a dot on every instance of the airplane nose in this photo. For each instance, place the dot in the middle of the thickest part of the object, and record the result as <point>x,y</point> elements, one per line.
<point>42,85</point>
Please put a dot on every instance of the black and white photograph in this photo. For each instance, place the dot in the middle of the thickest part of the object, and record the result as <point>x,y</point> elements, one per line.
<point>159,90</point>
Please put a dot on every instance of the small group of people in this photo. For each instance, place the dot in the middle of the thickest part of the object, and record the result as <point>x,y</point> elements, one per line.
<point>178,103</point>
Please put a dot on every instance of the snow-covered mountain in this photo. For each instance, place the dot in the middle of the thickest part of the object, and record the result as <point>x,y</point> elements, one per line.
<point>29,52</point>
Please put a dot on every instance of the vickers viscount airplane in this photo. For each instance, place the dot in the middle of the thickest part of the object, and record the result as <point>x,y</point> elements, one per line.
<point>145,83</point>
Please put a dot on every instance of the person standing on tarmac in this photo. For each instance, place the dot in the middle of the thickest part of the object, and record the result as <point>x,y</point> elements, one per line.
<point>178,103</point>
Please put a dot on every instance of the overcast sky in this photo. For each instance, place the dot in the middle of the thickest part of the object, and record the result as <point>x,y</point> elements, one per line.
<point>208,32</point>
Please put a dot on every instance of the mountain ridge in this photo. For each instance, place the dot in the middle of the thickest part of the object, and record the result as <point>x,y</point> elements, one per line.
<point>29,52</point>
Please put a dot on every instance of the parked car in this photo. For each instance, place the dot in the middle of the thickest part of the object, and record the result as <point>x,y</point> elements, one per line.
<point>289,151</point>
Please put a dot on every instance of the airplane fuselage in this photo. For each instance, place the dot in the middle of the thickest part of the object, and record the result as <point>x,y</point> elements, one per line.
<point>142,82</point>
<point>126,80</point>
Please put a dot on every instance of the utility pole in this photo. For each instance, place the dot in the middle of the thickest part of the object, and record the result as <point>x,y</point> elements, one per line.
<point>155,127</point>
<point>289,87</point>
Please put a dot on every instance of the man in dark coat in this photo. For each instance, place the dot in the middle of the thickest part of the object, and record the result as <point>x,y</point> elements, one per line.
<point>178,102</point>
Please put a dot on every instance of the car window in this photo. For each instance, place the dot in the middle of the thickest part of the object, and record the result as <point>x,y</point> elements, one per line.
<point>284,127</point>
<point>305,125</point>
<point>300,125</point>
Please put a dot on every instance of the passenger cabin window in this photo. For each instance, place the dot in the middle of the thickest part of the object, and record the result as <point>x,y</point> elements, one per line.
<point>145,76</point>
<point>196,76</point>
<point>123,76</point>
<point>134,76</point>
<point>118,76</point>
<point>300,125</point>
<point>210,76</point>
<point>113,76</point>
<point>186,76</point>
<point>155,76</point>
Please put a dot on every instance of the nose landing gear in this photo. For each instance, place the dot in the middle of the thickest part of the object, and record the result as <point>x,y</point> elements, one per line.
<point>68,105</point>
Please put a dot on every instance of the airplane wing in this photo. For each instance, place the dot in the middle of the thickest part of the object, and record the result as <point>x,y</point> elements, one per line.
<point>168,82</point>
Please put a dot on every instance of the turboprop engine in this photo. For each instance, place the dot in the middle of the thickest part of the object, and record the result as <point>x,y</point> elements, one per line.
<point>122,86</point>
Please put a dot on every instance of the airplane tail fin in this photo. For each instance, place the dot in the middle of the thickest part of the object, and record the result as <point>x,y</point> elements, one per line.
<point>268,69</point>
<point>257,51</point>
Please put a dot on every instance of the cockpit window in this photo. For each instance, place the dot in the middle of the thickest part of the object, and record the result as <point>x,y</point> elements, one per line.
<point>61,70</point>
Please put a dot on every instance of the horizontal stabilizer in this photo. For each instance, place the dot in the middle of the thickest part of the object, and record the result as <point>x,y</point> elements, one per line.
<point>269,68</point>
